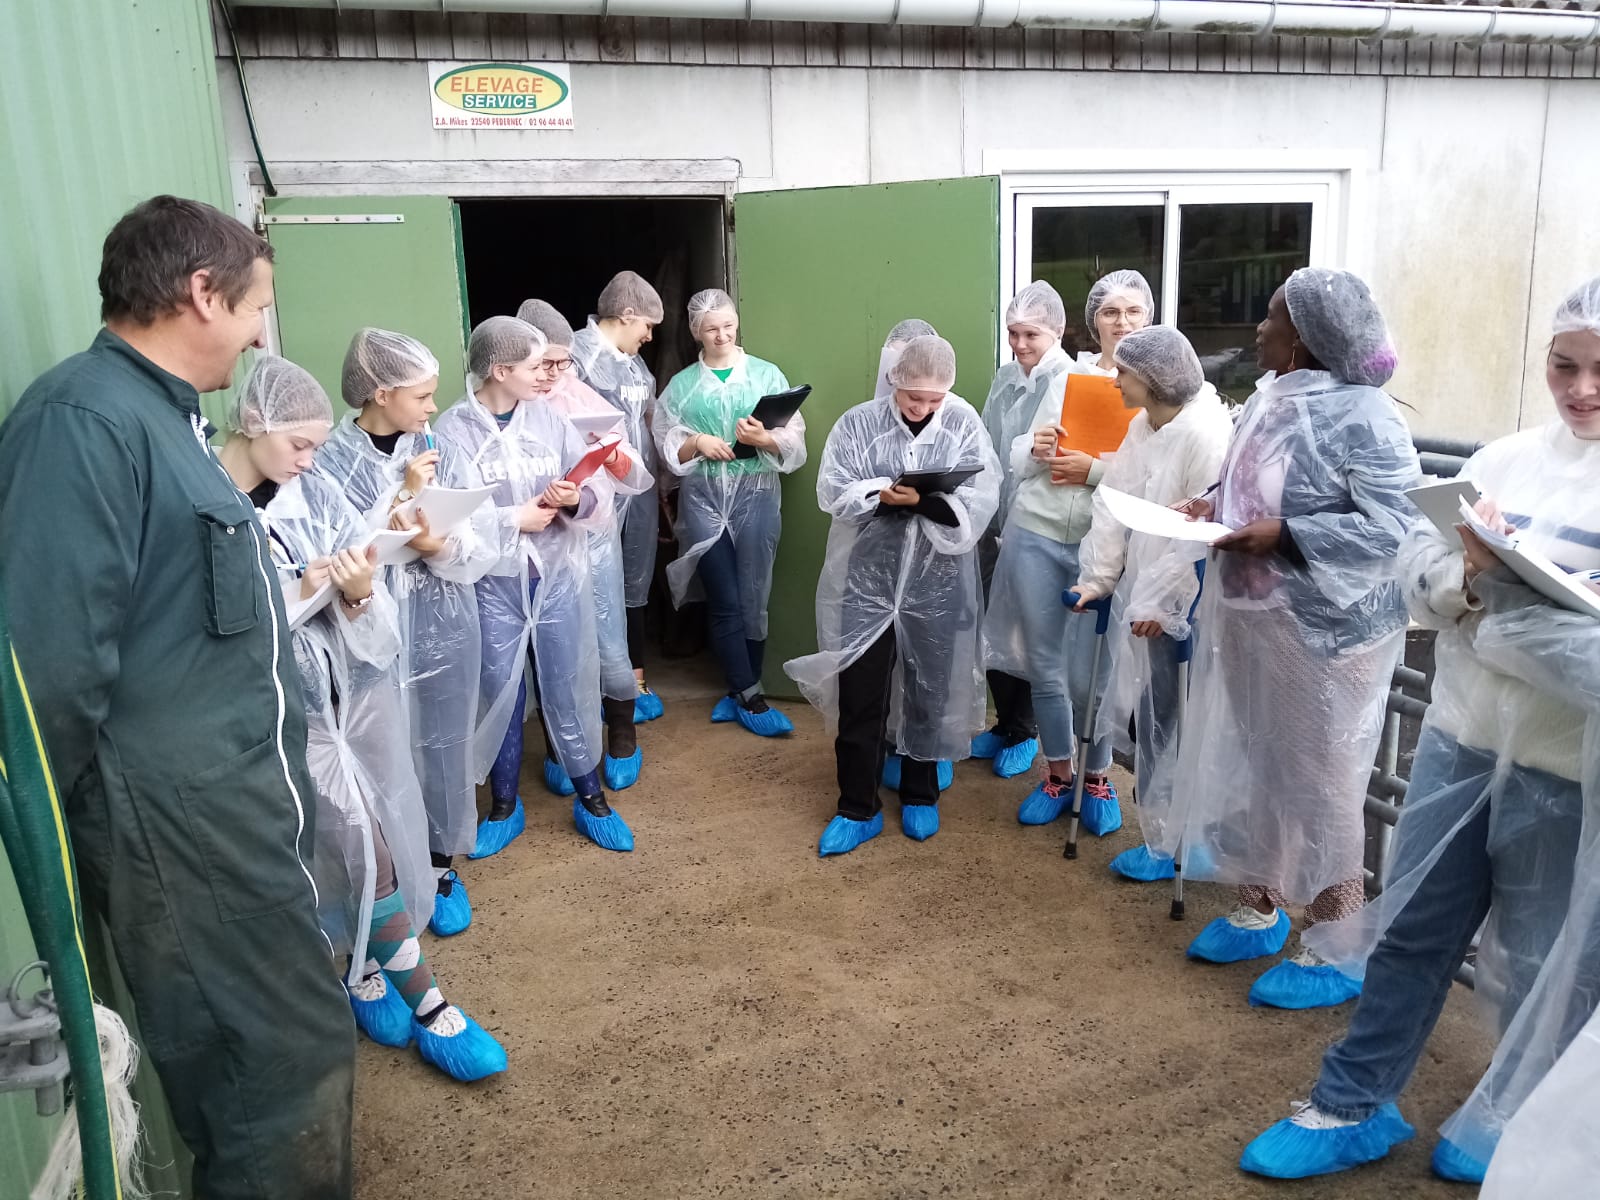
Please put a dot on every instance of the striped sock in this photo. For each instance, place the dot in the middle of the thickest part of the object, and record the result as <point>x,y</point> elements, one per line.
<point>393,943</point>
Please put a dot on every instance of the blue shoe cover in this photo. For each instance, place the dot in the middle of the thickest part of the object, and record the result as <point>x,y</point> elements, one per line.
<point>467,1056</point>
<point>623,773</point>
<point>495,836</point>
<point>1224,942</point>
<point>1040,807</point>
<point>1012,761</point>
<point>843,835</point>
<point>556,779</point>
<point>1290,985</point>
<point>771,723</point>
<point>609,833</point>
<point>647,708</point>
<point>891,772</point>
<point>1142,864</point>
<point>1289,1151</point>
<point>386,1020</point>
<point>919,822</point>
<point>987,744</point>
<point>1451,1162</point>
<point>1101,815</point>
<point>725,710</point>
<point>946,774</point>
<point>453,913</point>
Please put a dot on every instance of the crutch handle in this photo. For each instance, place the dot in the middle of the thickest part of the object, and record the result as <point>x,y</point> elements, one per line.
<point>1183,651</point>
<point>1101,609</point>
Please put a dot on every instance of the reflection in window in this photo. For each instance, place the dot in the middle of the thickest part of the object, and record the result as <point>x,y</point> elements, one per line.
<point>1073,247</point>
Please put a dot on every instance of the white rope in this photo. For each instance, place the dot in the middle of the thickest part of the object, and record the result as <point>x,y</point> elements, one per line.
<point>119,1062</point>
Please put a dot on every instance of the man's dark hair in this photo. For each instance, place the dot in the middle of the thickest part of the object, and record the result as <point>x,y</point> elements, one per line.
<point>152,251</point>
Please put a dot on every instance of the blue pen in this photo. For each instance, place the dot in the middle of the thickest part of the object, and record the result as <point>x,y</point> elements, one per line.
<point>427,437</point>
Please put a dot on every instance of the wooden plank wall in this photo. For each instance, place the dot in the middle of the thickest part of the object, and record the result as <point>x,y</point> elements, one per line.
<point>515,37</point>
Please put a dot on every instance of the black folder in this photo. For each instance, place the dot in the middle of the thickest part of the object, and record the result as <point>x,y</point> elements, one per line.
<point>934,483</point>
<point>774,412</point>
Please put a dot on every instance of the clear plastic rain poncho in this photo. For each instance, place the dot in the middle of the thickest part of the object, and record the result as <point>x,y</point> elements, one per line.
<point>356,731</point>
<point>625,383</point>
<point>740,497</point>
<point>440,647</point>
<point>911,327</point>
<point>1159,577</point>
<point>1293,663</point>
<point>537,447</point>
<point>887,569</point>
<point>1015,396</point>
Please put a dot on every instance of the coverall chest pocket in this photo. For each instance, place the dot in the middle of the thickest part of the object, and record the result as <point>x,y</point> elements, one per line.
<point>228,549</point>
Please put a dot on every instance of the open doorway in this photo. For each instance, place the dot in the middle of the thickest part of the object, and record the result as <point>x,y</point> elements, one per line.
<point>564,250</point>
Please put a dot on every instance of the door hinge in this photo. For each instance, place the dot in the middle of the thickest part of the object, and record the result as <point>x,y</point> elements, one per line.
<point>334,219</point>
<point>32,1056</point>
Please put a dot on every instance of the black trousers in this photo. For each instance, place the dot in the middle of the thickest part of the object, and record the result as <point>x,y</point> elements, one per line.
<point>1013,697</point>
<point>864,699</point>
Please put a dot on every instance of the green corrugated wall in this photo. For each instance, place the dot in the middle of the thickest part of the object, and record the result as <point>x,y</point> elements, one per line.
<point>104,102</point>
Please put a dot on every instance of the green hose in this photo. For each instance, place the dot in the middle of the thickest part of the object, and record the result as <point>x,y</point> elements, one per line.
<point>34,832</point>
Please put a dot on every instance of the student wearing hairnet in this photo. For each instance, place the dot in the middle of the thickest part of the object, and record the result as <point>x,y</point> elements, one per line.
<point>375,886</point>
<point>538,597</point>
<point>1172,451</point>
<point>893,345</point>
<point>1033,379</point>
<point>556,383</point>
<point>898,603</point>
<point>1495,816</point>
<point>1118,304</point>
<point>728,507</point>
<point>1301,623</point>
<point>606,355</point>
<point>379,457</point>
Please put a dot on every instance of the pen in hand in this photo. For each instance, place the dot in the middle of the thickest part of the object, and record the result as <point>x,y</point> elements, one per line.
<point>1193,500</point>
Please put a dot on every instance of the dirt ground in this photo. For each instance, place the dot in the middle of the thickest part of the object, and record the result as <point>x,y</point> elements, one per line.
<point>721,1013</point>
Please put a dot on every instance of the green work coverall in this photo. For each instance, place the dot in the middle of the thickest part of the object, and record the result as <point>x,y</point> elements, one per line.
<point>151,629</point>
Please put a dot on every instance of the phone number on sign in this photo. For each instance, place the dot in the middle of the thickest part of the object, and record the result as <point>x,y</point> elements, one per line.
<point>502,123</point>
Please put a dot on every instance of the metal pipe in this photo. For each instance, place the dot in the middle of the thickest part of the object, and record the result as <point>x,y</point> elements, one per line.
<point>1368,22</point>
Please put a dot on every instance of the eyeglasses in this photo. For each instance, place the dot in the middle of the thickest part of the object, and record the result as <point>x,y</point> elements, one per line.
<point>562,364</point>
<point>1112,314</point>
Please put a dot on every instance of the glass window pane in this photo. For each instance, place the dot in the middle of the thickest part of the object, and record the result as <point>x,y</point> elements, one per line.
<point>1231,258</point>
<point>1073,247</point>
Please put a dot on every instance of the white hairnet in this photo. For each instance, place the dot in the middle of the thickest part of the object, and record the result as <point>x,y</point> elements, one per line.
<point>629,293</point>
<point>911,327</point>
<point>1580,312</point>
<point>703,304</point>
<point>277,395</point>
<point>1038,304</point>
<point>501,340</point>
<point>378,358</point>
<point>1164,359</point>
<point>927,362</point>
<point>545,317</point>
<point>1116,281</point>
<point>1339,322</point>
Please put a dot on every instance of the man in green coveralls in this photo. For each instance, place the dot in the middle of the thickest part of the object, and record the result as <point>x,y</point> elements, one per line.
<point>151,629</point>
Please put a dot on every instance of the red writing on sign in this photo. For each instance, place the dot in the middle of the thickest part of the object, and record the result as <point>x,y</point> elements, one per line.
<point>522,83</point>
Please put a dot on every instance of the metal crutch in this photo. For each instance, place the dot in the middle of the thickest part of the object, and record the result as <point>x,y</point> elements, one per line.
<point>1102,621</point>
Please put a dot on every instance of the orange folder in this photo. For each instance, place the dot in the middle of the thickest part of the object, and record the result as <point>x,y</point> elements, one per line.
<point>1093,415</point>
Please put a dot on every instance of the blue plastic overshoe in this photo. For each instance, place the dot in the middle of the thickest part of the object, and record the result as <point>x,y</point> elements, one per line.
<point>1303,981</point>
<point>381,1012</point>
<point>843,835</point>
<point>1011,761</point>
<point>556,779</point>
<point>1223,941</point>
<point>1296,1148</point>
<point>452,909</point>
<point>1045,803</point>
<point>459,1046</point>
<point>724,711</point>
<point>495,836</point>
<point>770,723</point>
<point>647,707</point>
<point>609,832</point>
<point>919,822</point>
<point>623,773</point>
<point>987,744</point>
<point>1142,864</point>
<point>1451,1162</point>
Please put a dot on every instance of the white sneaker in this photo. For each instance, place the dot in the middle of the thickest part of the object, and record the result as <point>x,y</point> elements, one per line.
<point>1308,1116</point>
<point>371,989</point>
<point>1246,917</point>
<point>1309,958</point>
<point>448,1023</point>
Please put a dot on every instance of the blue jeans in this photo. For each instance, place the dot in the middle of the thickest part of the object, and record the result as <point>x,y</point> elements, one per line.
<point>1409,972</point>
<point>740,657</point>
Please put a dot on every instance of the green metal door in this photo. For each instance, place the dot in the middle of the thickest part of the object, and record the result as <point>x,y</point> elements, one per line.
<point>400,270</point>
<point>823,275</point>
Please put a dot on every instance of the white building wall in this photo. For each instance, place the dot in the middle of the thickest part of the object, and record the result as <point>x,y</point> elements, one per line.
<point>1480,195</point>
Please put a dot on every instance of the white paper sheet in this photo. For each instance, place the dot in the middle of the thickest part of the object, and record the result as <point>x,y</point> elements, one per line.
<point>1441,503</point>
<point>447,509</point>
<point>1159,520</point>
<point>391,544</point>
<point>594,426</point>
<point>1534,569</point>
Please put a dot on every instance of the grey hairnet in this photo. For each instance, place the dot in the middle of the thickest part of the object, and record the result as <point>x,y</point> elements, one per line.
<point>928,363</point>
<point>1164,359</point>
<point>628,290</point>
<point>277,395</point>
<point>1117,281</point>
<point>703,304</point>
<point>911,327</point>
<point>1339,322</point>
<point>379,358</point>
<point>1580,312</point>
<point>547,320</point>
<point>1038,304</point>
<point>500,340</point>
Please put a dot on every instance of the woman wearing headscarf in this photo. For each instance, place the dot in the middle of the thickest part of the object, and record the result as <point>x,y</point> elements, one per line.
<point>1301,623</point>
<point>1497,822</point>
<point>1035,321</point>
<point>898,602</point>
<point>729,516</point>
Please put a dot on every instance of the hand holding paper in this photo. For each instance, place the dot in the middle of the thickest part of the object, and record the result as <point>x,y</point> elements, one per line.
<point>1142,516</point>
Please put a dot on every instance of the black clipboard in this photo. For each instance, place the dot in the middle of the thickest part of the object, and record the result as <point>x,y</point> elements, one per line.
<point>774,412</point>
<point>937,483</point>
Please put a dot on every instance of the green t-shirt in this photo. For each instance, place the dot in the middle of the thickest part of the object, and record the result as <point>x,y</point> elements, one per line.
<point>708,400</point>
<point>723,373</point>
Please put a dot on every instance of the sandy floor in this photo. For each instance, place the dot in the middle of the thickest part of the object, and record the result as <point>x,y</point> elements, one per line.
<point>721,1013</point>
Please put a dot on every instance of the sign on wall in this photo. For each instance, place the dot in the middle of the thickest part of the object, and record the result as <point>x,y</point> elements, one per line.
<point>500,95</point>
